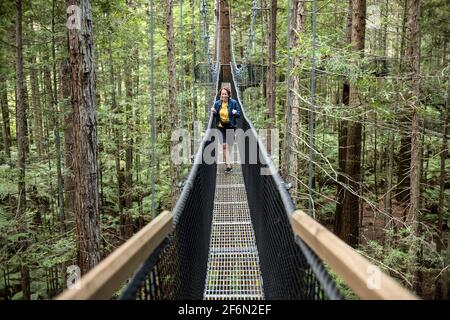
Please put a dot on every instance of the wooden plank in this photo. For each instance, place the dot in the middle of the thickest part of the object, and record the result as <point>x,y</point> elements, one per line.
<point>107,277</point>
<point>363,277</point>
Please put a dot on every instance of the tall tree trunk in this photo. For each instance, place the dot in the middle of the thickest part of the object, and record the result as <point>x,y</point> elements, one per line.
<point>441,282</point>
<point>404,158</point>
<point>55,121</point>
<point>389,180</point>
<point>342,139</point>
<point>265,52</point>
<point>194,62</point>
<point>128,181</point>
<point>350,207</point>
<point>36,102</point>
<point>389,154</point>
<point>69,183</point>
<point>412,55</point>
<point>375,155</point>
<point>225,40</point>
<point>271,97</point>
<point>26,107</point>
<point>138,137</point>
<point>128,187</point>
<point>81,56</point>
<point>413,68</point>
<point>21,149</point>
<point>117,135</point>
<point>5,119</point>
<point>28,131</point>
<point>56,113</point>
<point>295,30</point>
<point>168,17</point>
<point>384,30</point>
<point>287,168</point>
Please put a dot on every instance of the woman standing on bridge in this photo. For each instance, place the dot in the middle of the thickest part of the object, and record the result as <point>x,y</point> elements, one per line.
<point>226,110</point>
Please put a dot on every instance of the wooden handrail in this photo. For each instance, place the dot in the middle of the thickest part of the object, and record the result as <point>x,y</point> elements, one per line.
<point>357,272</point>
<point>102,281</point>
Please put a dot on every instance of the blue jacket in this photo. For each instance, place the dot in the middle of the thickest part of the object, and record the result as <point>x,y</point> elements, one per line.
<point>232,105</point>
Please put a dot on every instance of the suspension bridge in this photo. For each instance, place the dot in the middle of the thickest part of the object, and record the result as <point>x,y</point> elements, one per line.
<point>234,236</point>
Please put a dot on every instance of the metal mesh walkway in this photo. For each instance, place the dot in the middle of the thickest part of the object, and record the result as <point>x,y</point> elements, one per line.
<point>233,262</point>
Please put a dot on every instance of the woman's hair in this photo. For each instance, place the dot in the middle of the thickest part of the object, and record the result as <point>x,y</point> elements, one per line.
<point>227,90</point>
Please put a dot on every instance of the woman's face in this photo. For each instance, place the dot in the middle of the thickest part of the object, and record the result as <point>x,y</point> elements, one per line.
<point>224,95</point>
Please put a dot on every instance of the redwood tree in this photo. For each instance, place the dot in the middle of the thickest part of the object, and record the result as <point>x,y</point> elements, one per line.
<point>170,43</point>
<point>65,71</point>
<point>271,74</point>
<point>350,207</point>
<point>81,56</point>
<point>21,147</point>
<point>413,58</point>
<point>5,119</point>
<point>342,140</point>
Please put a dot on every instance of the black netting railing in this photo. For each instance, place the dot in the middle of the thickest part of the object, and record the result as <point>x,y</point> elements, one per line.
<point>289,270</point>
<point>177,269</point>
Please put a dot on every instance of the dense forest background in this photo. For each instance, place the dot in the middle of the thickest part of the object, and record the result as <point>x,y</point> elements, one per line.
<point>362,89</point>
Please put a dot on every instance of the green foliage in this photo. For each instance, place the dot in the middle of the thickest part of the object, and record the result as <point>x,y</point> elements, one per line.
<point>326,210</point>
<point>397,257</point>
<point>125,24</point>
<point>17,296</point>
<point>8,180</point>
